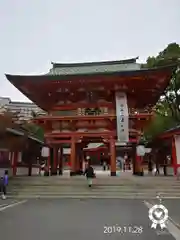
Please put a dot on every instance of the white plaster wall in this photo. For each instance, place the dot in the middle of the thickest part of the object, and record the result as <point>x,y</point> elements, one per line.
<point>177,145</point>
<point>22,171</point>
<point>35,171</point>
<point>170,171</point>
<point>19,157</point>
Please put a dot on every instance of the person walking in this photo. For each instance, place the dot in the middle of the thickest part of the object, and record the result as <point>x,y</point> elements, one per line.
<point>125,162</point>
<point>3,184</point>
<point>157,168</point>
<point>150,167</point>
<point>104,165</point>
<point>85,164</point>
<point>120,162</point>
<point>89,173</point>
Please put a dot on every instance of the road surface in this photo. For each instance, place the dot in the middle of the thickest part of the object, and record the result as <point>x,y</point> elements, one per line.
<point>78,220</point>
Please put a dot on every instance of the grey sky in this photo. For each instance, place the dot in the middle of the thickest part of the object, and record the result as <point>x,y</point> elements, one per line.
<point>36,32</point>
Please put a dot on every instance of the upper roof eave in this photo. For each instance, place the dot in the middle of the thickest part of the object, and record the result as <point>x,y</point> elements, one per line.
<point>13,78</point>
<point>83,64</point>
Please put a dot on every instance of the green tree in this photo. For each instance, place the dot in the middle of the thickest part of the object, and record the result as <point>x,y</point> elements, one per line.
<point>34,129</point>
<point>13,120</point>
<point>169,103</point>
<point>167,110</point>
<point>159,124</point>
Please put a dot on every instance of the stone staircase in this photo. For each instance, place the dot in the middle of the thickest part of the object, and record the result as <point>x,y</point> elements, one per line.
<point>126,186</point>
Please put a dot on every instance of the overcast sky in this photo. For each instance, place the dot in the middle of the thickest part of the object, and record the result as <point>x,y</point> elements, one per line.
<point>36,32</point>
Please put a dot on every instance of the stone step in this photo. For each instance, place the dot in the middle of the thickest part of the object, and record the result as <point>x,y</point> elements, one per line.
<point>104,189</point>
<point>80,197</point>
<point>96,193</point>
<point>89,196</point>
<point>98,185</point>
<point>101,178</point>
<point>90,192</point>
<point>162,179</point>
<point>110,179</point>
<point>145,196</point>
<point>93,190</point>
<point>97,181</point>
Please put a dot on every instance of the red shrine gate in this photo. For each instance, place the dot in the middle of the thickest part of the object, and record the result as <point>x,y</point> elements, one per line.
<point>81,101</point>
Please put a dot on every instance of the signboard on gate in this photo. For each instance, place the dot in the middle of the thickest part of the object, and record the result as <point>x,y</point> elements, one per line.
<point>122,116</point>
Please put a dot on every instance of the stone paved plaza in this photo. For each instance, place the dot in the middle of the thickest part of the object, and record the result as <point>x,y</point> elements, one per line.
<point>77,219</point>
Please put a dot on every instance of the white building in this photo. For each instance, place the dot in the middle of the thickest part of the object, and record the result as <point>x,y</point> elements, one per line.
<point>25,110</point>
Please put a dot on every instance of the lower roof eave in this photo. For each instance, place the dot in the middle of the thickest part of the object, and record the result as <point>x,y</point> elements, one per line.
<point>13,78</point>
<point>20,133</point>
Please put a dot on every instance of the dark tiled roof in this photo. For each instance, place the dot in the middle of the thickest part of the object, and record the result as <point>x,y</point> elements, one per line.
<point>177,128</point>
<point>125,61</point>
<point>21,103</point>
<point>137,72</point>
<point>94,67</point>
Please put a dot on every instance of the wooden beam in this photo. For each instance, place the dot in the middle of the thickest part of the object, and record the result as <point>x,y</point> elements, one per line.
<point>80,134</point>
<point>89,117</point>
<point>75,106</point>
<point>52,141</point>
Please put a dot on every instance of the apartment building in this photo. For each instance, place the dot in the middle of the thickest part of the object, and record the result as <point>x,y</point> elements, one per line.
<point>25,110</point>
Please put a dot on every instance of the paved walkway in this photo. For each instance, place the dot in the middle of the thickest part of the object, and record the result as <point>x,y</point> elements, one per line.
<point>79,219</point>
<point>173,207</point>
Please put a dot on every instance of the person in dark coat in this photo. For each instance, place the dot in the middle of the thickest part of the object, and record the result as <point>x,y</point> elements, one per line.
<point>150,166</point>
<point>3,184</point>
<point>157,168</point>
<point>89,173</point>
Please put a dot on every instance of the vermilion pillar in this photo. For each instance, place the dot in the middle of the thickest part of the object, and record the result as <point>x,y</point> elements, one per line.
<point>14,162</point>
<point>78,159</point>
<point>174,157</point>
<point>113,157</point>
<point>55,160</point>
<point>60,160</point>
<point>11,157</point>
<point>73,158</point>
<point>135,159</point>
<point>49,162</point>
<point>77,163</point>
<point>81,160</point>
<point>138,165</point>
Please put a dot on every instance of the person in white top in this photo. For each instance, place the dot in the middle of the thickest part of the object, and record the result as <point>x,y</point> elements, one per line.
<point>85,163</point>
<point>125,160</point>
<point>120,162</point>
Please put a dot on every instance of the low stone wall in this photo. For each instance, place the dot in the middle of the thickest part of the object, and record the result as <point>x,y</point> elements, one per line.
<point>9,171</point>
<point>21,171</point>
